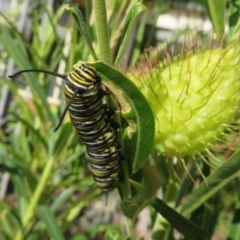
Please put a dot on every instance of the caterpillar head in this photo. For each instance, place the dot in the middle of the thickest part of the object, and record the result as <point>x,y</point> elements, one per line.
<point>87,73</point>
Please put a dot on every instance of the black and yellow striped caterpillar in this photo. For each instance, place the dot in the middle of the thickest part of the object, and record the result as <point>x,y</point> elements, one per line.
<point>92,120</point>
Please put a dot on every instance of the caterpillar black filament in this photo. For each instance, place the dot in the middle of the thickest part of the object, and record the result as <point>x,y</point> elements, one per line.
<point>92,120</point>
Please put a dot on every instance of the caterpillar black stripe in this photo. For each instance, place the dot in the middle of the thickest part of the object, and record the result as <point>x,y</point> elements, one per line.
<point>92,120</point>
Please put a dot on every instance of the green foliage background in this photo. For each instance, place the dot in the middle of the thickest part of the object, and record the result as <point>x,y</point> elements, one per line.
<point>50,181</point>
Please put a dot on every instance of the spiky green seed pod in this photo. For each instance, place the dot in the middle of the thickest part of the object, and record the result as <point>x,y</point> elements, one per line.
<point>195,97</point>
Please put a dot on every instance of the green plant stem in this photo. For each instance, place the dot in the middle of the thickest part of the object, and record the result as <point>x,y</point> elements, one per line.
<point>35,198</point>
<point>130,227</point>
<point>160,226</point>
<point>102,30</point>
<point>124,185</point>
<point>104,53</point>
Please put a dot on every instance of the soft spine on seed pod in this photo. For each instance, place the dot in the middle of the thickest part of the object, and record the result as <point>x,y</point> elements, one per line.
<point>194,95</point>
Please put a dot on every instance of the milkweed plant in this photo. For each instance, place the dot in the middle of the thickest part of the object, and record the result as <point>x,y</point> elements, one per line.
<point>194,96</point>
<point>178,116</point>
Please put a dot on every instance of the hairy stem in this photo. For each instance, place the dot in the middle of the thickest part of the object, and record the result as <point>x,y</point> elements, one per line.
<point>102,30</point>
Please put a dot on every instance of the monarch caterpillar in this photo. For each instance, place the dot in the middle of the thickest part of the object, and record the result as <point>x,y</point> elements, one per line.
<point>92,120</point>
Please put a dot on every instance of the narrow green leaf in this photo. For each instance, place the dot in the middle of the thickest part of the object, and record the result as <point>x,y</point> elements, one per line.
<point>187,228</point>
<point>78,17</point>
<point>36,42</point>
<point>7,221</point>
<point>21,193</point>
<point>65,131</point>
<point>119,9</point>
<point>13,164</point>
<point>234,232</point>
<point>138,137</point>
<point>53,20</point>
<point>137,186</point>
<point>16,165</point>
<point>216,12</point>
<point>234,18</point>
<point>61,199</point>
<point>68,161</point>
<point>75,210</point>
<point>24,145</point>
<point>100,228</point>
<point>50,221</point>
<point>23,63</point>
<point>80,236</point>
<point>22,41</point>
<point>128,25</point>
<point>114,233</point>
<point>222,176</point>
<point>137,47</point>
<point>31,127</point>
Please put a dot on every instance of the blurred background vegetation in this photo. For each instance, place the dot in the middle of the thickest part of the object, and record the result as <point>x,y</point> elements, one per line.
<point>46,187</point>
